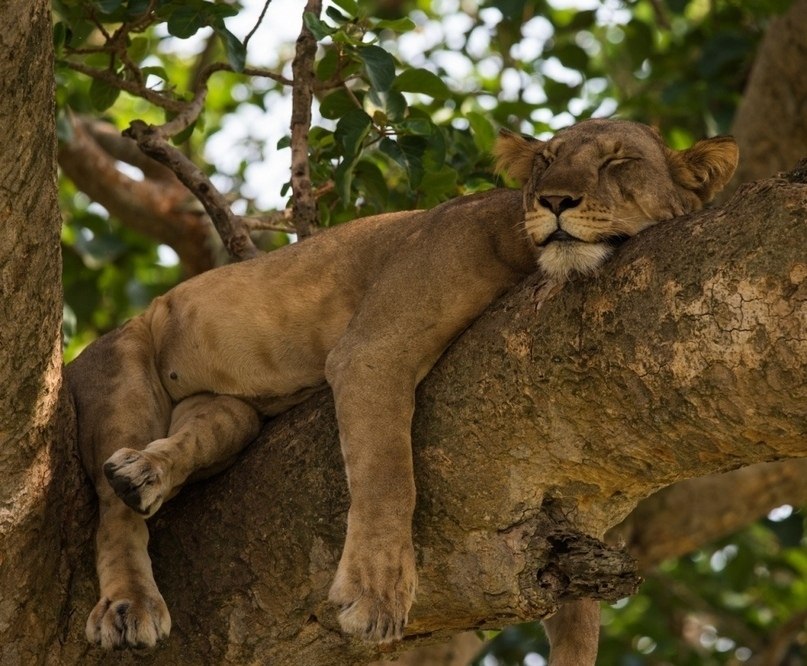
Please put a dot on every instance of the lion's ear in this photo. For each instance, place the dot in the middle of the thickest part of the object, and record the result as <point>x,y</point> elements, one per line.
<point>706,167</point>
<point>515,154</point>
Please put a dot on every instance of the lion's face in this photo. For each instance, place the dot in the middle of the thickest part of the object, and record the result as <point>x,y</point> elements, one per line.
<point>601,181</point>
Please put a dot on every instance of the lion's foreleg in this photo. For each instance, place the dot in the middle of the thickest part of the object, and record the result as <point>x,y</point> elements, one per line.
<point>206,433</point>
<point>376,578</point>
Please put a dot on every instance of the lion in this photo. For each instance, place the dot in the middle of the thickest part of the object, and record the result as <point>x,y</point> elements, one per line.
<point>366,308</point>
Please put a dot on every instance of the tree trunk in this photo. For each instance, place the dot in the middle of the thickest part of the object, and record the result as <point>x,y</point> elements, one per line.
<point>35,426</point>
<point>769,125</point>
<point>536,433</point>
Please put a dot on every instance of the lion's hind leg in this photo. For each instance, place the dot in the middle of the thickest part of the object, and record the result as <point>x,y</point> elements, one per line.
<point>120,402</point>
<point>206,432</point>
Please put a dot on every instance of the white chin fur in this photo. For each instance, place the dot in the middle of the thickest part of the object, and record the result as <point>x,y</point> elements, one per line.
<point>560,260</point>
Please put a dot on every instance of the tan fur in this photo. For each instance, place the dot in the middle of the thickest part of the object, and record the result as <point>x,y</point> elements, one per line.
<point>366,308</point>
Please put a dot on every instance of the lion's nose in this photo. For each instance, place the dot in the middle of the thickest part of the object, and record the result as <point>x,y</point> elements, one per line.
<point>558,203</point>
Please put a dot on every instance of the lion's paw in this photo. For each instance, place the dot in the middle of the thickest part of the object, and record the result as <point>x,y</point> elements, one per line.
<point>135,622</point>
<point>137,480</point>
<point>375,589</point>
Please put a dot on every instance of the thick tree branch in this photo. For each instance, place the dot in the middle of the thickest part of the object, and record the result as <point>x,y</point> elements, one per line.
<point>108,137</point>
<point>732,500</point>
<point>685,357</point>
<point>769,124</point>
<point>158,209</point>
<point>304,205</point>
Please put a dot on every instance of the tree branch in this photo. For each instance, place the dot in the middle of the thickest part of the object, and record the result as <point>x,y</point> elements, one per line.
<point>733,500</point>
<point>776,89</point>
<point>232,231</point>
<point>685,357</point>
<point>158,209</point>
<point>304,206</point>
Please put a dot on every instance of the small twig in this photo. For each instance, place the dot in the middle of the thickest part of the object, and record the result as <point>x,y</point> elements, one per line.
<point>257,24</point>
<point>139,90</point>
<point>151,141</point>
<point>304,206</point>
<point>277,221</point>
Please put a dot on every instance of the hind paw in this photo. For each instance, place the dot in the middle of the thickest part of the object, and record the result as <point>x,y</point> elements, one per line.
<point>136,622</point>
<point>137,479</point>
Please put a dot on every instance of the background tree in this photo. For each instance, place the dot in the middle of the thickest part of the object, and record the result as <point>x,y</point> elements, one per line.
<point>409,98</point>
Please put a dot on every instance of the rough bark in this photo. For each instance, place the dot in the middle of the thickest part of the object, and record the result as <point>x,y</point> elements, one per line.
<point>304,204</point>
<point>34,421</point>
<point>686,357</point>
<point>769,125</point>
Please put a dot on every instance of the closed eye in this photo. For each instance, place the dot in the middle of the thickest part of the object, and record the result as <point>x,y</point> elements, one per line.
<point>615,160</point>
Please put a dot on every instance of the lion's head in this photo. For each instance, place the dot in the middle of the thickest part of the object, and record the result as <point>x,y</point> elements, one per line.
<point>599,182</point>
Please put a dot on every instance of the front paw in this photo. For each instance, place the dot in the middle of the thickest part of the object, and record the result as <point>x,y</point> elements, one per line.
<point>133,622</point>
<point>375,588</point>
<point>137,480</point>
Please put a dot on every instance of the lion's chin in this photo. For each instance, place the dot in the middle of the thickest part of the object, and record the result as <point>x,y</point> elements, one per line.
<point>561,259</point>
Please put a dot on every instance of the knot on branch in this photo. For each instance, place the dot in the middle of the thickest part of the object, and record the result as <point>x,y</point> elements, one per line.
<point>578,566</point>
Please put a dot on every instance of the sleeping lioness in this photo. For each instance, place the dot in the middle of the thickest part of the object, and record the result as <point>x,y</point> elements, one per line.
<point>367,308</point>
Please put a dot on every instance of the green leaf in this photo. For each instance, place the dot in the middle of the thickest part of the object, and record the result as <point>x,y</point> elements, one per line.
<point>391,103</point>
<point>108,6</point>
<point>138,48</point>
<point>408,151</point>
<point>414,148</point>
<point>422,81</point>
<point>371,183</point>
<point>391,148</point>
<point>156,71</point>
<point>326,67</point>
<point>350,132</point>
<point>136,8</point>
<point>236,53</point>
<point>420,126</point>
<point>317,27</point>
<point>59,35</point>
<point>351,7</point>
<point>102,95</point>
<point>185,22</point>
<point>379,66</point>
<point>336,16</point>
<point>185,134</point>
<point>396,25</point>
<point>572,56</point>
<point>337,104</point>
<point>482,130</point>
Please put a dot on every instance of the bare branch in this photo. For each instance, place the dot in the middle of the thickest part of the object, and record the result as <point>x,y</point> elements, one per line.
<point>139,90</point>
<point>121,148</point>
<point>303,202</point>
<point>277,221</point>
<point>232,231</point>
<point>257,23</point>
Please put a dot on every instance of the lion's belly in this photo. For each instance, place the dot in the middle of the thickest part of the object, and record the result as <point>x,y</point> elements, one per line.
<point>263,355</point>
